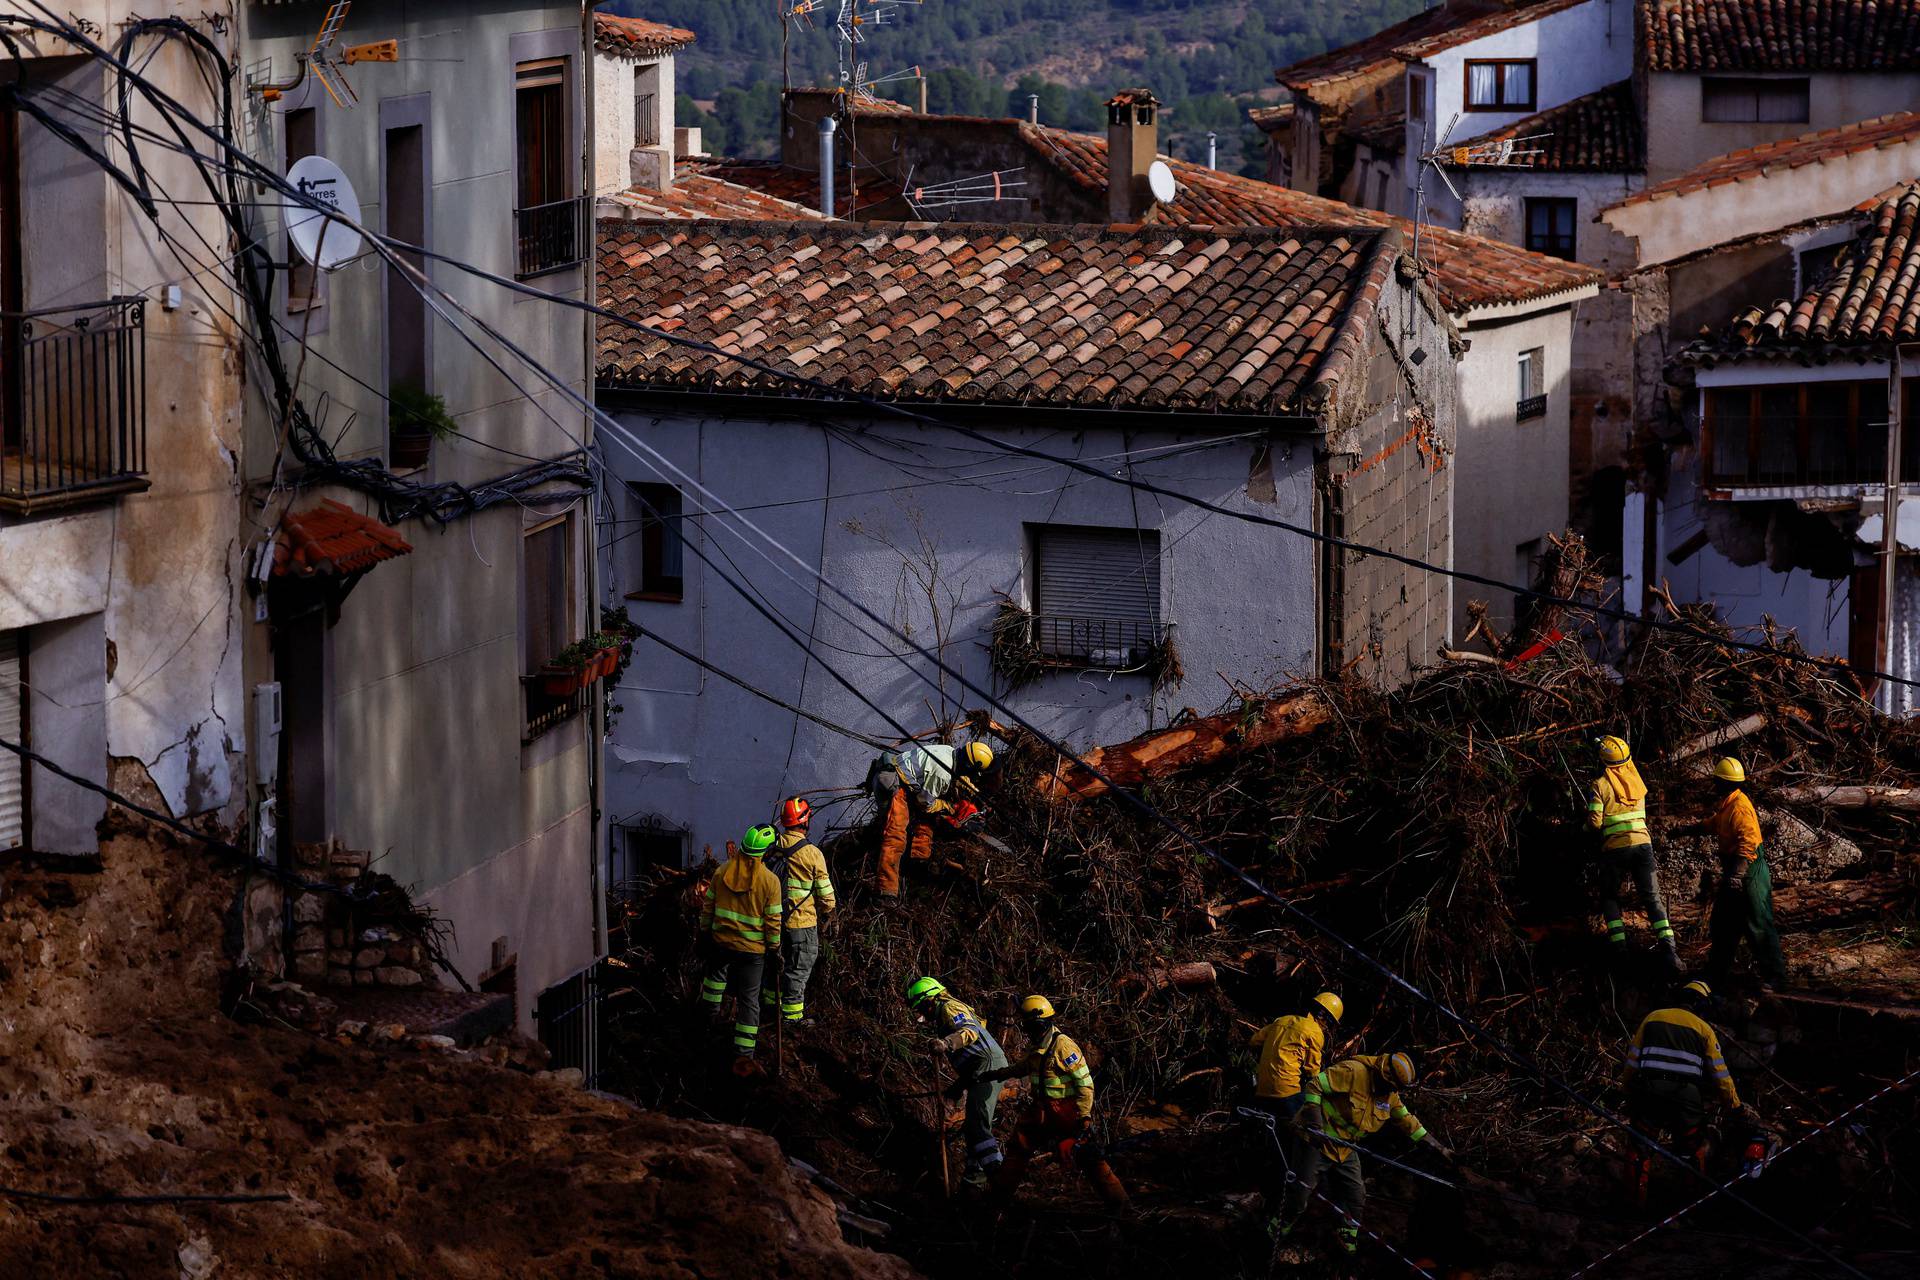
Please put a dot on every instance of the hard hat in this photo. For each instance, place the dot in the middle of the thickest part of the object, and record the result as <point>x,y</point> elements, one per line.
<point>977,757</point>
<point>1398,1068</point>
<point>796,812</point>
<point>920,990</point>
<point>1335,1007</point>
<point>1036,1007</point>
<point>1613,749</point>
<point>757,841</point>
<point>1727,769</point>
<point>1700,989</point>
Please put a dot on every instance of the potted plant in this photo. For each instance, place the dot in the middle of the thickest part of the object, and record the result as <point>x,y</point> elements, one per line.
<point>568,670</point>
<point>415,419</point>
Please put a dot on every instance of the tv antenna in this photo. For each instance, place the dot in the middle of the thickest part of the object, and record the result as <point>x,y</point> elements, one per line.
<point>326,59</point>
<point>985,188</point>
<point>863,87</point>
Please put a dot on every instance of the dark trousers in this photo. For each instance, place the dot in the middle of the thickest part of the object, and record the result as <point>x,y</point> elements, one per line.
<point>1283,1156</point>
<point>1634,863</point>
<point>983,1101</point>
<point>799,953</point>
<point>1348,1189</point>
<point>738,973</point>
<point>1746,911</point>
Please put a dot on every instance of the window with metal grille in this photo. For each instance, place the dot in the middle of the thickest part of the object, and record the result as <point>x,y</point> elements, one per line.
<point>546,620</point>
<point>648,847</point>
<point>1753,100</point>
<point>1531,384</point>
<point>1096,594</point>
<point>1550,228</point>
<point>549,222</point>
<point>13,772</point>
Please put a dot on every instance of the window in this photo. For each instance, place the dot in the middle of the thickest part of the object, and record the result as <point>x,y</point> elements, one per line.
<point>658,533</point>
<point>1532,385</point>
<point>1096,594</point>
<point>13,774</point>
<point>646,105</point>
<point>546,619</point>
<point>405,210</point>
<point>1550,226</point>
<point>305,283</point>
<point>1798,434</point>
<point>1526,559</point>
<point>1750,100</point>
<point>1500,85</point>
<point>650,846</point>
<point>548,222</point>
<point>1380,190</point>
<point>1416,97</point>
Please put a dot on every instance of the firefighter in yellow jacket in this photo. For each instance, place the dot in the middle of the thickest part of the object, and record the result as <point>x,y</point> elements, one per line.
<point>802,871</point>
<point>1673,1062</point>
<point>1617,810</point>
<point>740,925</point>
<point>1059,1113</point>
<point>1743,903</point>
<point>1343,1106</point>
<point>1292,1050</point>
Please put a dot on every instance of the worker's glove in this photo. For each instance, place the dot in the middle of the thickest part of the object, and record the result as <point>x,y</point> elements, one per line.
<point>963,813</point>
<point>1307,1121</point>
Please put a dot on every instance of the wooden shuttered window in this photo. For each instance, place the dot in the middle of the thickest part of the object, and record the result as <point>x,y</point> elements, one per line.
<point>13,774</point>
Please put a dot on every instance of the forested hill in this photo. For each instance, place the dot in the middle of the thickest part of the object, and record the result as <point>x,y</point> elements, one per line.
<point>1205,58</point>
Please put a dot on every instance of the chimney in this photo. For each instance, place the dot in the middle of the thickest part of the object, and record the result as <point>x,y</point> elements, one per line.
<point>1133,136</point>
<point>1033,108</point>
<point>1213,150</point>
<point>827,125</point>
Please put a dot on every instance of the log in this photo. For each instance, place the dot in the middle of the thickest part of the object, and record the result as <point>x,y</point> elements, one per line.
<point>1192,745</point>
<point>1182,977</point>
<point>1719,737</point>
<point>1837,902</point>
<point>1906,799</point>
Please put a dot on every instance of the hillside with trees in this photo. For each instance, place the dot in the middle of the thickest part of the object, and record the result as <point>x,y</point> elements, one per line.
<point>1207,59</point>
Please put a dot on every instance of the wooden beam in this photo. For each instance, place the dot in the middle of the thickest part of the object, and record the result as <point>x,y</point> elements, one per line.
<point>1192,745</point>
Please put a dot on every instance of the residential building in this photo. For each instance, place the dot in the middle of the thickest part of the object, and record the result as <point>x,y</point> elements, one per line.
<point>401,675</point>
<point>1299,374</point>
<point>635,139</point>
<point>1515,308</point>
<point>119,426</point>
<point>1777,497</point>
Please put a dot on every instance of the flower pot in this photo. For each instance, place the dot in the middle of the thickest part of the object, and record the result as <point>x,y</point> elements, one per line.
<point>609,661</point>
<point>558,682</point>
<point>407,450</point>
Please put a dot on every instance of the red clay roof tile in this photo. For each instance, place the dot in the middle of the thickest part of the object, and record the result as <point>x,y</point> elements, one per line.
<point>333,539</point>
<point>1597,133</point>
<point>1780,35</point>
<point>1789,153</point>
<point>631,36</point>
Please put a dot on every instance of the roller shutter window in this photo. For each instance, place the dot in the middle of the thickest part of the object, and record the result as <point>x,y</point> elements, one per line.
<point>13,791</point>
<point>1096,593</point>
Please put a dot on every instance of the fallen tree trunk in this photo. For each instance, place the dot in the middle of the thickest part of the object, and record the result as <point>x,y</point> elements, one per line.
<point>1196,743</point>
<point>1906,799</point>
<point>1183,977</point>
<point>1719,737</point>
<point>1837,902</point>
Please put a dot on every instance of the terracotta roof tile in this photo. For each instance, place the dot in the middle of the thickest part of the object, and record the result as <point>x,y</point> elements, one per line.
<point>1789,153</point>
<point>1115,317</point>
<point>1780,35</point>
<point>700,194</point>
<point>1501,20</point>
<point>334,539</point>
<point>1597,133</point>
<point>1868,295</point>
<point>630,37</point>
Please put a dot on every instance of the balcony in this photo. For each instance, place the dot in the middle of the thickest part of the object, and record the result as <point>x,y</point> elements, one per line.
<point>1802,440</point>
<point>1531,407</point>
<point>1108,643</point>
<point>75,424</point>
<point>550,237</point>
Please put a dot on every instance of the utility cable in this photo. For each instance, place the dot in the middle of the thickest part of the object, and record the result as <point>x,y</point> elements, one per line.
<point>822,721</point>
<point>50,1197</point>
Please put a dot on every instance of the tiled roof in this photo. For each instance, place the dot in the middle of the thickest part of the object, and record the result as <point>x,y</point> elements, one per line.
<point>1468,271</point>
<point>332,538</point>
<point>1789,153</point>
<point>1870,295</point>
<point>1271,119</point>
<point>1454,36</point>
<point>633,36</point>
<point>1384,133</point>
<point>1259,322</point>
<point>1377,50</point>
<point>1780,35</point>
<point>700,192</point>
<point>790,186</point>
<point>1597,133</point>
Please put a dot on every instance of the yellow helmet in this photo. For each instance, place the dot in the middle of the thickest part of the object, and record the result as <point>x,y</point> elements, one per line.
<point>1398,1069</point>
<point>977,758</point>
<point>1700,989</point>
<point>1727,769</point>
<point>1335,1007</point>
<point>1614,749</point>
<point>1036,1007</point>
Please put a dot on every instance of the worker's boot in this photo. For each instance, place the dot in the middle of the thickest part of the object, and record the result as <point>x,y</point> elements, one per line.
<point>1107,1184</point>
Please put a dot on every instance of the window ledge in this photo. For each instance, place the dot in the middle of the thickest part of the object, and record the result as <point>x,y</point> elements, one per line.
<point>66,499</point>
<point>658,597</point>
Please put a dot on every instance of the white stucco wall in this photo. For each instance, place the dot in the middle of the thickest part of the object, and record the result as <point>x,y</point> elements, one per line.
<point>1511,481</point>
<point>1576,51</point>
<point>711,759</point>
<point>1682,139</point>
<point>613,115</point>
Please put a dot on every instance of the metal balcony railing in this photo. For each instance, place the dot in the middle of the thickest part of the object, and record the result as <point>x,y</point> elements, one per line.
<point>551,237</point>
<point>1531,407</point>
<point>1113,643</point>
<point>646,122</point>
<point>75,424</point>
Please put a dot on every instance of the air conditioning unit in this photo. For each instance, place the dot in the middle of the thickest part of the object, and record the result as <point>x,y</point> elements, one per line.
<point>266,734</point>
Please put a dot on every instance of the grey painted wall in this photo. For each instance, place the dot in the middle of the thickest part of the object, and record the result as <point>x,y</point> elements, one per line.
<point>1681,139</point>
<point>709,758</point>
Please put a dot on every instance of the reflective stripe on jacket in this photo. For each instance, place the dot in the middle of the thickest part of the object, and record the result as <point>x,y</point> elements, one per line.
<point>1056,1069</point>
<point>1675,1043</point>
<point>1617,808</point>
<point>1737,827</point>
<point>965,1038</point>
<point>809,887</point>
<point>1291,1049</point>
<point>1344,1092</point>
<point>743,906</point>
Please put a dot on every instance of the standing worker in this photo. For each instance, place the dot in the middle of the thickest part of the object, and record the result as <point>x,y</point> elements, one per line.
<point>802,871</point>
<point>1291,1050</point>
<point>975,1056</point>
<point>915,784</point>
<point>1617,809</point>
<point>1344,1105</point>
<point>1743,903</point>
<point>1675,1054</point>
<point>1060,1110</point>
<point>740,924</point>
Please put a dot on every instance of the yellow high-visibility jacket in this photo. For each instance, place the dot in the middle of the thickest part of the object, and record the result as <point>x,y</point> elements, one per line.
<point>1617,808</point>
<point>1290,1052</point>
<point>930,772</point>
<point>1344,1092</point>
<point>1055,1068</point>
<point>1676,1043</point>
<point>1737,827</point>
<point>809,887</point>
<point>743,906</point>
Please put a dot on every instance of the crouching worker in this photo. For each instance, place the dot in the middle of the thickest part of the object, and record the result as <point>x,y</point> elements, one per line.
<point>1343,1106</point>
<point>1059,1114</point>
<point>975,1056</point>
<point>913,786</point>
<point>1672,1063</point>
<point>739,925</point>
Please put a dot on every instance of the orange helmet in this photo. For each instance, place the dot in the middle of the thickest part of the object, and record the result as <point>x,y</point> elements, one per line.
<point>796,813</point>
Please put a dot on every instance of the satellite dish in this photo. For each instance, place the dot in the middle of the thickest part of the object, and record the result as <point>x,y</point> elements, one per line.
<point>1160,181</point>
<point>325,242</point>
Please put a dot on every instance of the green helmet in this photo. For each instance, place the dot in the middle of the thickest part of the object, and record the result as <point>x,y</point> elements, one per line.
<point>757,841</point>
<point>921,990</point>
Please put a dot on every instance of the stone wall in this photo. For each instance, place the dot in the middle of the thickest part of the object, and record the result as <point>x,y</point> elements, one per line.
<point>341,941</point>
